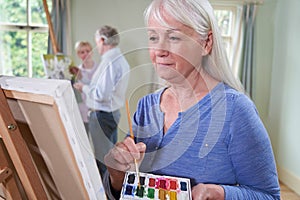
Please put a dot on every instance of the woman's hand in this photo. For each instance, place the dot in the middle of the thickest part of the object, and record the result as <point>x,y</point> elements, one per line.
<point>76,72</point>
<point>121,159</point>
<point>207,192</point>
<point>73,70</point>
<point>78,86</point>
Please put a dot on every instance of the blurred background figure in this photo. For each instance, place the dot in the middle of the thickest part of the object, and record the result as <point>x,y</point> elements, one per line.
<point>83,74</point>
<point>106,93</point>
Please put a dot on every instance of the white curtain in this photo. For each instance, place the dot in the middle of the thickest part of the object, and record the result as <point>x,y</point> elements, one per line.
<point>237,42</point>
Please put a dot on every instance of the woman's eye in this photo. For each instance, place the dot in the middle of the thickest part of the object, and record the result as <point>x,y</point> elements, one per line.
<point>153,38</point>
<point>174,38</point>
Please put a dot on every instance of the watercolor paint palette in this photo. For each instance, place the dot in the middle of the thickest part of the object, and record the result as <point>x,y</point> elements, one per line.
<point>150,186</point>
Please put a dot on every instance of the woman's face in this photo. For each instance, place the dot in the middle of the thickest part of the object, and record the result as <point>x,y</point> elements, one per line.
<point>84,52</point>
<point>175,50</point>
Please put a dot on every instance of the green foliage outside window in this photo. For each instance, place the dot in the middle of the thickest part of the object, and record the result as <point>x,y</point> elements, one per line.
<point>22,41</point>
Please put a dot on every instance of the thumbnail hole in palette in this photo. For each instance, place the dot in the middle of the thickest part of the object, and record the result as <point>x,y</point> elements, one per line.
<point>155,187</point>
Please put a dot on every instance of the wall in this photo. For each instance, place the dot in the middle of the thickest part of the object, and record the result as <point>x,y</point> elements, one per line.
<point>277,83</point>
<point>88,17</point>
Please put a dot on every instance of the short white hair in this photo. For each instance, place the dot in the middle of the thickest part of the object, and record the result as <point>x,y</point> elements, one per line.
<point>109,34</point>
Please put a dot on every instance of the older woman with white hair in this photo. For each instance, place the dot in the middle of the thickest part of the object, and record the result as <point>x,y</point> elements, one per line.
<point>201,126</point>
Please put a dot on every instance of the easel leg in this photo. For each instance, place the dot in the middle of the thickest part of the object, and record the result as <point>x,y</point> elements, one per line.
<point>19,152</point>
<point>7,179</point>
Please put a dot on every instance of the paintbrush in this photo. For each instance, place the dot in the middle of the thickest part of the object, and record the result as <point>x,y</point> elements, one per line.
<point>132,136</point>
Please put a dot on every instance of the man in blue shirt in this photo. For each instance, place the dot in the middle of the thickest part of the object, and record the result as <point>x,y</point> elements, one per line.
<point>106,93</point>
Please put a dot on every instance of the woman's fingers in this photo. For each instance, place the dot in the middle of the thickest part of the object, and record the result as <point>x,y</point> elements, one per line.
<point>134,149</point>
<point>122,156</point>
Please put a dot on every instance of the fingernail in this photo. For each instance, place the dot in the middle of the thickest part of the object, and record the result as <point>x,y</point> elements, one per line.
<point>141,146</point>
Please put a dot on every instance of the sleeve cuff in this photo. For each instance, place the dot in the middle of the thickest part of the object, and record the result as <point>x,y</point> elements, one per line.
<point>110,192</point>
<point>85,89</point>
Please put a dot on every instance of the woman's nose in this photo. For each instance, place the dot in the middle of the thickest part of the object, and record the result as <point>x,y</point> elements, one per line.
<point>161,49</point>
<point>161,52</point>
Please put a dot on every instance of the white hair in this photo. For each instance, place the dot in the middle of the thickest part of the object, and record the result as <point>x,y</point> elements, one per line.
<point>109,34</point>
<point>199,15</point>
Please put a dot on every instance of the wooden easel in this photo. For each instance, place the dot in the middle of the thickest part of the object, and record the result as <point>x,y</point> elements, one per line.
<point>15,159</point>
<point>18,174</point>
<point>51,30</point>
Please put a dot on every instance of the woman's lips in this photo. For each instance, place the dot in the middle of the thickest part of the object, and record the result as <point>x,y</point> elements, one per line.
<point>164,64</point>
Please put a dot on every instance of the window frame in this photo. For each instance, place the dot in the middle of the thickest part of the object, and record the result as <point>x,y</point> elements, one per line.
<point>228,38</point>
<point>30,28</point>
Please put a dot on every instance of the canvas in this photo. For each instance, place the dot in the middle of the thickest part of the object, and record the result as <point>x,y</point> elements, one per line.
<point>48,117</point>
<point>57,66</point>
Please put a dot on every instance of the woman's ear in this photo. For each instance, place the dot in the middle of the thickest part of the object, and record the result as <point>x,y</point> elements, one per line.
<point>208,43</point>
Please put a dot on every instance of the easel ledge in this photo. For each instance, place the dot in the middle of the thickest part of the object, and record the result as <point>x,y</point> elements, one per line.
<point>38,98</point>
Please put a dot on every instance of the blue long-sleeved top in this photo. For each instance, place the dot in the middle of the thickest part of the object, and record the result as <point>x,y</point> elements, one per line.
<point>220,140</point>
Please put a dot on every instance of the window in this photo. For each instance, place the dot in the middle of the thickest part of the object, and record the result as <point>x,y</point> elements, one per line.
<point>23,37</point>
<point>226,20</point>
